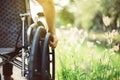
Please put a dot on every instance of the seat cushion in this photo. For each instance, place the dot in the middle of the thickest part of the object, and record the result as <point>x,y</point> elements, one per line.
<point>4,51</point>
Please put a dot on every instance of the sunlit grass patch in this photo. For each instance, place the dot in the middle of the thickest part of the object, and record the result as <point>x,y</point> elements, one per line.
<point>76,60</point>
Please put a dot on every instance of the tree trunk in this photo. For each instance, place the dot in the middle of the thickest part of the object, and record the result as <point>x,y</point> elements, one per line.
<point>114,22</point>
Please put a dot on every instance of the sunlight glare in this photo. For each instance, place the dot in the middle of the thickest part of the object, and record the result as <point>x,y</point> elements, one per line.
<point>62,2</point>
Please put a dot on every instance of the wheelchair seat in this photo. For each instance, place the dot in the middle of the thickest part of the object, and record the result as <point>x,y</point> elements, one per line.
<point>4,51</point>
<point>10,25</point>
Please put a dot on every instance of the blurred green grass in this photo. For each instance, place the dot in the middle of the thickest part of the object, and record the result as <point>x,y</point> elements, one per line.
<point>79,58</point>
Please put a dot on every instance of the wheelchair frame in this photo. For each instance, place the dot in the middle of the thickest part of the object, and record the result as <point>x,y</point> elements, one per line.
<point>26,59</point>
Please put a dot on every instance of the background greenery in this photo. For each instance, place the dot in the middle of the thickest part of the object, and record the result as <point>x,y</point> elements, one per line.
<point>88,47</point>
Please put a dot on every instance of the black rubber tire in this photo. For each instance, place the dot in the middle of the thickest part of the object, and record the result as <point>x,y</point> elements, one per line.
<point>35,55</point>
<point>45,69</point>
<point>39,61</point>
<point>47,72</point>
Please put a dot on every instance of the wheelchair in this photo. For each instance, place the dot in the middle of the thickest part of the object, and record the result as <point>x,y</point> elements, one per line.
<point>25,43</point>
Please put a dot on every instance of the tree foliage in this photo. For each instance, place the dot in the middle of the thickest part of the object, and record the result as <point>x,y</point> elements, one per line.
<point>89,13</point>
<point>111,8</point>
<point>66,16</point>
<point>86,11</point>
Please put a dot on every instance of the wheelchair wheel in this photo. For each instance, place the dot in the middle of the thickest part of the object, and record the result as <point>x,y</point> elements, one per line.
<point>46,73</point>
<point>34,65</point>
<point>39,67</point>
